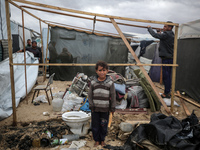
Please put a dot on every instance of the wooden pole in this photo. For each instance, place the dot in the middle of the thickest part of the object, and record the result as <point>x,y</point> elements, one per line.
<point>141,67</point>
<point>186,99</point>
<point>92,14</point>
<point>174,68</point>
<point>24,55</point>
<point>42,61</point>
<point>101,20</point>
<point>71,64</point>
<point>46,53</point>
<point>10,62</point>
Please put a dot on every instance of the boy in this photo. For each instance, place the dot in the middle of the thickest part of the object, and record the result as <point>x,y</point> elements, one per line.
<point>102,100</point>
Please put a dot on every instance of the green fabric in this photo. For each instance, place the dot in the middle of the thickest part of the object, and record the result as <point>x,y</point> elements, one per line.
<point>151,101</point>
<point>149,91</point>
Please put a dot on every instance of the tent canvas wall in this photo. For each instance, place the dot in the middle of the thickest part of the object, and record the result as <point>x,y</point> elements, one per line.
<point>84,48</point>
<point>188,59</point>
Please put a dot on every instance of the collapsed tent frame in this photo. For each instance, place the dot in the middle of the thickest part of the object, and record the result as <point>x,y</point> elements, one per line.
<point>112,20</point>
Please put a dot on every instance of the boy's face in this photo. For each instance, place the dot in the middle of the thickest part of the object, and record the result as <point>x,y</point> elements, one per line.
<point>101,72</point>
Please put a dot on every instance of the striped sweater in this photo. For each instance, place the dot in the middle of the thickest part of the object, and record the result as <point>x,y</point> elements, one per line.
<point>101,95</point>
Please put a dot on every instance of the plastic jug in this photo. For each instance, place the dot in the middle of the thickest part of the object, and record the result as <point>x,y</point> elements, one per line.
<point>57,104</point>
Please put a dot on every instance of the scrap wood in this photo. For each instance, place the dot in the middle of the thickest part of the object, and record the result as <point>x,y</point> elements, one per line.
<point>186,99</point>
<point>110,119</point>
<point>132,111</point>
<point>183,104</point>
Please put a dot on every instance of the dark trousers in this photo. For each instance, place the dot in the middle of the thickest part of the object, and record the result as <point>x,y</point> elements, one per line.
<point>99,125</point>
<point>167,74</point>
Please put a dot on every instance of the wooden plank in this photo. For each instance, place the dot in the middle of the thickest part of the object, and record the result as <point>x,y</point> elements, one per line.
<point>11,61</point>
<point>174,68</point>
<point>24,55</point>
<point>92,14</point>
<point>71,64</point>
<point>110,119</point>
<point>132,111</point>
<point>183,104</point>
<point>141,67</point>
<point>65,14</point>
<point>186,99</point>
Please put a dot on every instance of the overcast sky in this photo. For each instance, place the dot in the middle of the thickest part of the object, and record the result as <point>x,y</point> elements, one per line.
<point>178,11</point>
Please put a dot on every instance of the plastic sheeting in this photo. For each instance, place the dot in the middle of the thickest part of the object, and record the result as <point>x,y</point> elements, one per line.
<point>84,48</point>
<point>3,25</point>
<point>188,73</point>
<point>165,132</point>
<point>190,30</point>
<point>19,79</point>
<point>154,72</point>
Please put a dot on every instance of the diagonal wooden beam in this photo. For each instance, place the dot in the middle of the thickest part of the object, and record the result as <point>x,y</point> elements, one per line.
<point>141,67</point>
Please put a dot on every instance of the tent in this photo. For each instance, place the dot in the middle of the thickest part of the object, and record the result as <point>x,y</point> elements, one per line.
<point>16,31</point>
<point>83,48</point>
<point>188,59</point>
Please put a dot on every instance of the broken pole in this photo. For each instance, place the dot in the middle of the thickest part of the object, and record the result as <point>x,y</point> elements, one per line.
<point>11,62</point>
<point>141,67</point>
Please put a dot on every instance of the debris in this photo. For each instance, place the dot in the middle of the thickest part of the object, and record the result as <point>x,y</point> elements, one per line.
<point>77,144</point>
<point>126,127</point>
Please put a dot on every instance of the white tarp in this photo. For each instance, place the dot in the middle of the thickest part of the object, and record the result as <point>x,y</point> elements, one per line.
<point>3,26</point>
<point>19,79</point>
<point>189,30</point>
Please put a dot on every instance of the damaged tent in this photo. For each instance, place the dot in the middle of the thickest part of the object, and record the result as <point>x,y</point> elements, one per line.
<point>71,46</point>
<point>188,59</point>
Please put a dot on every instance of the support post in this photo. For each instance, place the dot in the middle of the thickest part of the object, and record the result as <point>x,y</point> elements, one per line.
<point>174,68</point>
<point>141,67</point>
<point>46,54</point>
<point>42,61</point>
<point>11,62</point>
<point>24,55</point>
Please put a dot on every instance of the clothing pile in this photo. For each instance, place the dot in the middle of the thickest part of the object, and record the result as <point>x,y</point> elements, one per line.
<point>129,93</point>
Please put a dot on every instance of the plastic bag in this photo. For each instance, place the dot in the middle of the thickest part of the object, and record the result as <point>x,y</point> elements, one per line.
<point>41,98</point>
<point>123,105</point>
<point>68,105</point>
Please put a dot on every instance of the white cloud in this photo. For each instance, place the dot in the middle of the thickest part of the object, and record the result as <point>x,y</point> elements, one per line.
<point>158,10</point>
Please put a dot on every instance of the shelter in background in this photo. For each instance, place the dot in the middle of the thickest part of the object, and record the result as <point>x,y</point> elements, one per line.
<point>84,48</point>
<point>16,31</point>
<point>188,59</point>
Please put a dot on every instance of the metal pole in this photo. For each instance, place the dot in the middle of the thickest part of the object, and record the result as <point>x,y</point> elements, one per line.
<point>11,62</point>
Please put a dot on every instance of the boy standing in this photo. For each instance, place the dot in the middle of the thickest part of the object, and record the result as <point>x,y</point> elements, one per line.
<point>102,100</point>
